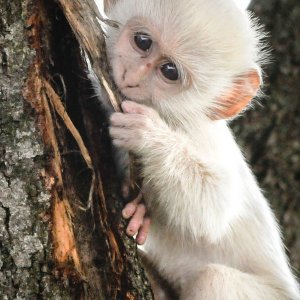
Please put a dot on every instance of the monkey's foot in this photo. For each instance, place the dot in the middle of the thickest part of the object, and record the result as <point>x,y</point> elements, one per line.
<point>139,223</point>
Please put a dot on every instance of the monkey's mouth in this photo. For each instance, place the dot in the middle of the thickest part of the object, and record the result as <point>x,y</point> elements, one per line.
<point>128,96</point>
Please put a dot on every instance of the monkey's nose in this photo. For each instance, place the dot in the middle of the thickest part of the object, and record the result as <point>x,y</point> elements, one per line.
<point>133,76</point>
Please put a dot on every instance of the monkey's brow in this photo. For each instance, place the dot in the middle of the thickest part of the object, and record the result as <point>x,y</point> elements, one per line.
<point>141,28</point>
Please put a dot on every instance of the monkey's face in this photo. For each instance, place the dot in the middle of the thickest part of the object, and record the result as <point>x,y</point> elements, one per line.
<point>142,69</point>
<point>166,65</point>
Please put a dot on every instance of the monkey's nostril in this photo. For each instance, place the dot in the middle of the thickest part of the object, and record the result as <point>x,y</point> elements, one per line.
<point>124,74</point>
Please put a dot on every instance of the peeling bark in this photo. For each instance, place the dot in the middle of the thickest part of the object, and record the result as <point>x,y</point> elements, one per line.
<point>25,251</point>
<point>61,232</point>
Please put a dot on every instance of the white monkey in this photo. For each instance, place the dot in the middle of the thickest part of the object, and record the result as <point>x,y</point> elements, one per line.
<point>187,67</point>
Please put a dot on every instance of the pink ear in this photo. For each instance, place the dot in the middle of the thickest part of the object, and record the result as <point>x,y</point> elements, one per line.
<point>243,91</point>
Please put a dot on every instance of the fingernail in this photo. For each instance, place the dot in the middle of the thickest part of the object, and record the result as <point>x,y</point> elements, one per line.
<point>130,232</point>
<point>141,240</point>
<point>125,214</point>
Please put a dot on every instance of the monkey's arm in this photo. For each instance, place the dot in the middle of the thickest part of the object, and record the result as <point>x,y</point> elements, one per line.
<point>193,194</point>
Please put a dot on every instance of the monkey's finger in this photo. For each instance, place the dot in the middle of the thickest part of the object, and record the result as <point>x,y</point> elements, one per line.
<point>143,232</point>
<point>116,119</point>
<point>119,132</point>
<point>129,210</point>
<point>131,207</point>
<point>127,120</point>
<point>131,107</point>
<point>136,220</point>
<point>126,138</point>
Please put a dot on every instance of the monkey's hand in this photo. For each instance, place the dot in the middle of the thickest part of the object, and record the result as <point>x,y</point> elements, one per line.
<point>140,223</point>
<point>133,130</point>
<point>136,130</point>
<point>139,129</point>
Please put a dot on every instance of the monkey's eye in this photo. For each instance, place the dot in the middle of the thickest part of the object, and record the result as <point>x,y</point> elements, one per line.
<point>170,71</point>
<point>143,41</point>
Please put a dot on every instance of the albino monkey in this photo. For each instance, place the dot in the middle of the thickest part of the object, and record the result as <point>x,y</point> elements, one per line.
<point>186,67</point>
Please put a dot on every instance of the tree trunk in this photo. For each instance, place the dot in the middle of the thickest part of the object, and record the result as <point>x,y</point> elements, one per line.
<point>61,232</point>
<point>270,133</point>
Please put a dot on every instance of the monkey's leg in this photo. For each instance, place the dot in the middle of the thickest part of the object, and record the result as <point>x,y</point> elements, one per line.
<point>218,282</point>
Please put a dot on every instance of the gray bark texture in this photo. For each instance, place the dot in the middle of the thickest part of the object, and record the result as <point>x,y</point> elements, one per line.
<point>61,232</point>
<point>24,201</point>
<point>269,133</point>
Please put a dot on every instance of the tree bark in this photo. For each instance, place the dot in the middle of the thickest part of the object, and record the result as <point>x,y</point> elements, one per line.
<point>61,232</point>
<point>270,133</point>
<point>25,252</point>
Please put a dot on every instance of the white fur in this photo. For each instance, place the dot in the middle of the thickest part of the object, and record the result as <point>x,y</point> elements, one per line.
<point>213,234</point>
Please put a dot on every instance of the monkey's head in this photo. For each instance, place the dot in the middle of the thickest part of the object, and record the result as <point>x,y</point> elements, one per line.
<point>197,56</point>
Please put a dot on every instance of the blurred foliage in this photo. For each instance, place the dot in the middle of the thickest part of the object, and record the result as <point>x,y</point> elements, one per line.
<point>270,133</point>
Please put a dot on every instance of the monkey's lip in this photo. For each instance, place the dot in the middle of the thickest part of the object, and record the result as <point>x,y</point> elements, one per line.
<point>125,96</point>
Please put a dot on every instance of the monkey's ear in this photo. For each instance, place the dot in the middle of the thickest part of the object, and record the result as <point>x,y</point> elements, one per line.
<point>240,95</point>
<point>108,4</point>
